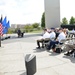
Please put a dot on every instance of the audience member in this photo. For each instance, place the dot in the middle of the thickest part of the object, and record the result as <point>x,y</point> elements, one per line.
<point>52,34</point>
<point>60,37</point>
<point>57,32</point>
<point>40,40</point>
<point>69,49</point>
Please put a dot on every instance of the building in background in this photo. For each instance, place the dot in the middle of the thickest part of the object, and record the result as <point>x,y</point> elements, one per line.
<point>52,13</point>
<point>14,26</point>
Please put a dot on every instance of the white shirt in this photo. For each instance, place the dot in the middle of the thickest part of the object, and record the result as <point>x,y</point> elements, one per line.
<point>46,35</point>
<point>73,31</point>
<point>52,35</point>
<point>61,36</point>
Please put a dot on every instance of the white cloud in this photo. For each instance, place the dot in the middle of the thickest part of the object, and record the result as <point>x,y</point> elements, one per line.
<point>22,11</point>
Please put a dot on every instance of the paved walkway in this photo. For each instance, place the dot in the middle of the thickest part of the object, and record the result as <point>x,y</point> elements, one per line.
<point>12,58</point>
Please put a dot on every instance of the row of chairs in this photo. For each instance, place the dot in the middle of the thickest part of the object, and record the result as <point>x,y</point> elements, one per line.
<point>68,37</point>
<point>47,41</point>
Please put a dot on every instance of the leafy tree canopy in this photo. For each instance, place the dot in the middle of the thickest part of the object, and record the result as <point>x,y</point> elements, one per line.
<point>72,20</point>
<point>35,25</point>
<point>64,21</point>
<point>43,20</point>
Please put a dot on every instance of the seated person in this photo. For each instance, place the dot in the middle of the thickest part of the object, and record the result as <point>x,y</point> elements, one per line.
<point>70,48</point>
<point>57,32</point>
<point>60,37</point>
<point>41,40</point>
<point>52,34</point>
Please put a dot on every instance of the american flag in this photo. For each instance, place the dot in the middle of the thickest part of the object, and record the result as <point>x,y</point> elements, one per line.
<point>1,30</point>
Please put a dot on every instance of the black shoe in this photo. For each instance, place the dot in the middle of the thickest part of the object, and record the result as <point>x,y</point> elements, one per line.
<point>38,47</point>
<point>67,54</point>
<point>42,46</point>
<point>71,52</point>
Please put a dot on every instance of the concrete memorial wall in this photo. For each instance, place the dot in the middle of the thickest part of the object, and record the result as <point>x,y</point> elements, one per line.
<point>52,13</point>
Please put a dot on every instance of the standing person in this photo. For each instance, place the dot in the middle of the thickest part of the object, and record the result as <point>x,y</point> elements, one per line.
<point>45,35</point>
<point>19,32</point>
<point>60,37</point>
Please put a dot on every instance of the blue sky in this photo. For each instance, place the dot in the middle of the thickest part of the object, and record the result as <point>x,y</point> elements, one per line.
<point>30,11</point>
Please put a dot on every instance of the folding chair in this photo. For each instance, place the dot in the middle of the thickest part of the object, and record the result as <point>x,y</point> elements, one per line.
<point>61,44</point>
<point>47,41</point>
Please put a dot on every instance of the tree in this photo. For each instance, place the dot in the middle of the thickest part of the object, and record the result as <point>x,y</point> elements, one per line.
<point>28,28</point>
<point>64,21</point>
<point>35,25</point>
<point>43,20</point>
<point>72,20</point>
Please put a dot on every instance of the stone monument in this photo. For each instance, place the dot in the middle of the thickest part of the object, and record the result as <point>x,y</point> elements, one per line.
<point>52,13</point>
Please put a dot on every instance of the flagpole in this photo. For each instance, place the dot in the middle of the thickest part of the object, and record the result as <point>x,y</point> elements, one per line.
<point>0,40</point>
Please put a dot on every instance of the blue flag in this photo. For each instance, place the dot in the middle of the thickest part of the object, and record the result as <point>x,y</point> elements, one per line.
<point>8,24</point>
<point>4,22</point>
<point>5,25</point>
<point>5,30</point>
